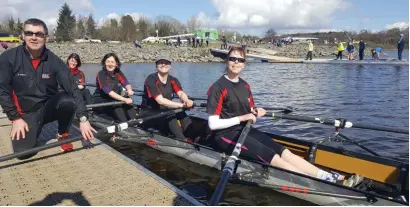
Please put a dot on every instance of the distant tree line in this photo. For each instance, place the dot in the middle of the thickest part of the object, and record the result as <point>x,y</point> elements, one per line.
<point>126,28</point>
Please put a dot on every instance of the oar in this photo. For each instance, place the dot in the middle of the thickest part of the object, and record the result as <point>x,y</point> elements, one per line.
<point>91,106</point>
<point>296,189</point>
<point>110,129</point>
<point>114,103</point>
<point>336,123</point>
<point>359,145</point>
<point>230,166</point>
<point>142,91</point>
<point>286,110</point>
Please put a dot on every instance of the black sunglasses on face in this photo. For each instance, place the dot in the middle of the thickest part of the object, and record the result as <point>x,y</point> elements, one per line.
<point>38,34</point>
<point>234,59</point>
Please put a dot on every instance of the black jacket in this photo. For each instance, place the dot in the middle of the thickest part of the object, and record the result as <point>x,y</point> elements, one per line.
<point>400,44</point>
<point>24,89</point>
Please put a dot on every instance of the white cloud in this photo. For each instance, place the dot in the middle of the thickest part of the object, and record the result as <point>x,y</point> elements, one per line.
<point>279,14</point>
<point>400,25</point>
<point>46,10</point>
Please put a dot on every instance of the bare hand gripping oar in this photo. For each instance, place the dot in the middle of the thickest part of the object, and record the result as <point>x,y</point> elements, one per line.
<point>230,166</point>
<point>109,129</point>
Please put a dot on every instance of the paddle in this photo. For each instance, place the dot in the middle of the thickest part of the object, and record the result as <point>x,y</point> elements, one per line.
<point>109,129</point>
<point>286,110</point>
<point>114,103</point>
<point>230,166</point>
<point>91,106</point>
<point>296,189</point>
<point>336,123</point>
<point>142,91</point>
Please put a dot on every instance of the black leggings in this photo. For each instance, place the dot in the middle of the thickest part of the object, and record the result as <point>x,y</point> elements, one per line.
<point>170,123</point>
<point>60,107</point>
<point>258,146</point>
<point>122,113</point>
<point>339,55</point>
<point>87,96</point>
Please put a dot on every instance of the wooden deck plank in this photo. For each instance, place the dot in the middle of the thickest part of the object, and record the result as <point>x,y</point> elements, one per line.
<point>95,176</point>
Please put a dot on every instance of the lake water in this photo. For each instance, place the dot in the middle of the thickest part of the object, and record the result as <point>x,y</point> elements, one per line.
<point>370,94</point>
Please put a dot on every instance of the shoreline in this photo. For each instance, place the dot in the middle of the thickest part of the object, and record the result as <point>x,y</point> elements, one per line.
<point>128,53</point>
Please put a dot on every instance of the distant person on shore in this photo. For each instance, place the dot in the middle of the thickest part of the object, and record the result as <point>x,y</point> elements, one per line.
<point>4,45</point>
<point>193,41</point>
<point>376,53</point>
<point>340,49</point>
<point>224,45</point>
<point>137,44</point>
<point>207,41</point>
<point>350,50</point>
<point>310,50</point>
<point>179,41</point>
<point>400,46</point>
<point>362,47</point>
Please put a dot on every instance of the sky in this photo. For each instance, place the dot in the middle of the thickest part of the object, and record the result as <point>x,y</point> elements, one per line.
<point>253,17</point>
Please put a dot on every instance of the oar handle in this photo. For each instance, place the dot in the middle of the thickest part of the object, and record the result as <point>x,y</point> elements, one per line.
<point>230,166</point>
<point>38,149</point>
<point>105,130</point>
<point>114,103</point>
<point>336,123</point>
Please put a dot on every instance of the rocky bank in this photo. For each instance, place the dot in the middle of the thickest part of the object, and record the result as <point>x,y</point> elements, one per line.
<point>128,53</point>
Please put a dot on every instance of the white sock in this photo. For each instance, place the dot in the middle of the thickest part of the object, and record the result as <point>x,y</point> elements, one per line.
<point>321,174</point>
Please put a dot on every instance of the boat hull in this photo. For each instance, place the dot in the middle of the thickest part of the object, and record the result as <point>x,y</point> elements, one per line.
<point>250,171</point>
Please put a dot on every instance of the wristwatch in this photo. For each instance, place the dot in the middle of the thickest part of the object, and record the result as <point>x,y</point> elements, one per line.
<point>83,119</point>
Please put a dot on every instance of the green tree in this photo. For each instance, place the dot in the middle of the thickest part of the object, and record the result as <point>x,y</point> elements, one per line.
<point>19,26</point>
<point>270,33</point>
<point>11,25</point>
<point>128,29</point>
<point>65,24</point>
<point>91,27</point>
<point>143,26</point>
<point>80,27</point>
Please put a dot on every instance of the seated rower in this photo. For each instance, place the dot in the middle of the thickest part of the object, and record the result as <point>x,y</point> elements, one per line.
<point>230,105</point>
<point>74,62</point>
<point>159,88</point>
<point>109,81</point>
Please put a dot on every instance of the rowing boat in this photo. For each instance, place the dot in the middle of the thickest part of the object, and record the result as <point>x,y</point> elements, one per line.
<point>386,180</point>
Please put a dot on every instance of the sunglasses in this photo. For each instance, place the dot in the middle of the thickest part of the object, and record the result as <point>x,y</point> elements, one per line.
<point>234,59</point>
<point>38,34</point>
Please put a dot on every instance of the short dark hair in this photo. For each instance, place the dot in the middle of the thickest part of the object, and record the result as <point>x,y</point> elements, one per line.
<point>111,55</point>
<point>35,21</point>
<point>76,58</point>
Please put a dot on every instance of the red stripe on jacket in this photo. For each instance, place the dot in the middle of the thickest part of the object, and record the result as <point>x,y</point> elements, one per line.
<point>251,103</point>
<point>175,87</point>
<point>221,101</point>
<point>16,102</point>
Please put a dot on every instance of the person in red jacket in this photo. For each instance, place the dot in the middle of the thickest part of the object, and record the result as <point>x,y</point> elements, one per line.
<point>73,63</point>
<point>29,96</point>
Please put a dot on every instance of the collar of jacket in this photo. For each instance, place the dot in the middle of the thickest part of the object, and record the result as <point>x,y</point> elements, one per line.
<point>44,53</point>
<point>116,70</point>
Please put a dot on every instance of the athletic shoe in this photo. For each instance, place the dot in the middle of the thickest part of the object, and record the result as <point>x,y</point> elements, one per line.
<point>65,147</point>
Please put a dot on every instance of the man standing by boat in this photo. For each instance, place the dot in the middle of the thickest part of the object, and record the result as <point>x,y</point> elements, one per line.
<point>400,46</point>
<point>30,76</point>
<point>362,46</point>
<point>310,50</point>
<point>340,49</point>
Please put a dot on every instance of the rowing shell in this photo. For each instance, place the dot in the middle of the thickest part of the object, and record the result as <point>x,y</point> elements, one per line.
<point>386,183</point>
